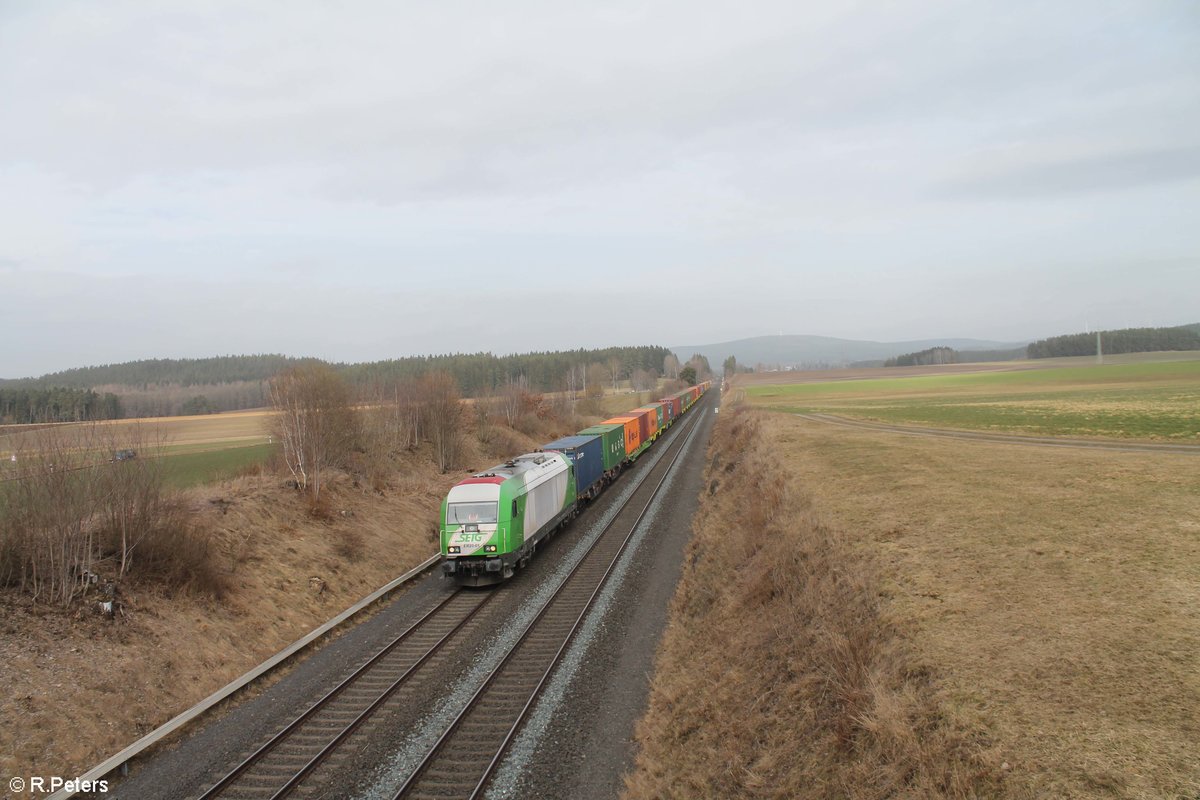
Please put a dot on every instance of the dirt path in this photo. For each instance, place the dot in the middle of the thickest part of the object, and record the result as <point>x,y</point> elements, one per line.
<point>1006,438</point>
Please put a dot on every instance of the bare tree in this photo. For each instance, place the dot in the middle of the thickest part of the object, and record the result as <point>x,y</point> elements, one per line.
<point>644,380</point>
<point>614,370</point>
<point>408,403</point>
<point>671,366</point>
<point>485,404</point>
<point>442,416</point>
<point>315,422</point>
<point>90,500</point>
<point>597,376</point>
<point>132,491</point>
<point>511,398</point>
<point>576,384</point>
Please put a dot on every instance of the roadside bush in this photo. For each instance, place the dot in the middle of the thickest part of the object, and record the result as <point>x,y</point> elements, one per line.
<point>350,545</point>
<point>72,517</point>
<point>176,553</point>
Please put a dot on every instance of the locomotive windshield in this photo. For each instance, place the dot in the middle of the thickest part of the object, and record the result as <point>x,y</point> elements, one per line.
<point>462,513</point>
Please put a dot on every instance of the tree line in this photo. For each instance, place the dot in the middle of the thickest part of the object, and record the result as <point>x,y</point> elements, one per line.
<point>472,371</point>
<point>58,404</point>
<point>166,371</point>
<point>480,373</point>
<point>1126,340</point>
<point>922,358</point>
<point>169,387</point>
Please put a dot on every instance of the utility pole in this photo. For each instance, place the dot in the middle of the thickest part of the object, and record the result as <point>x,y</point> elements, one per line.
<point>1099,350</point>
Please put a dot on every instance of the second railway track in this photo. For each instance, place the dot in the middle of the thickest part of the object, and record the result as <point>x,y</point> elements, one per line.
<point>278,766</point>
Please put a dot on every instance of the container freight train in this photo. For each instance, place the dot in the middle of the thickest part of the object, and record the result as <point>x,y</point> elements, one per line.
<point>493,520</point>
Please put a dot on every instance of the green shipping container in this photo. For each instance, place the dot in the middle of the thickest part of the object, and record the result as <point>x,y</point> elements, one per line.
<point>613,437</point>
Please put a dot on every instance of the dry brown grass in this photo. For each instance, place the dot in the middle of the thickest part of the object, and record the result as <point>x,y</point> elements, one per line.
<point>783,672</point>
<point>80,687</point>
<point>1058,593</point>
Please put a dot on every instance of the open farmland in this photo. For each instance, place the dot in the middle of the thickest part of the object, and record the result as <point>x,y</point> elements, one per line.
<point>195,449</point>
<point>1147,397</point>
<point>1057,590</point>
<point>939,618</point>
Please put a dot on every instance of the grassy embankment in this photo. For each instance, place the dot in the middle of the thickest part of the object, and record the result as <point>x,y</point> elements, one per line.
<point>906,616</point>
<point>784,672</point>
<point>1152,400</point>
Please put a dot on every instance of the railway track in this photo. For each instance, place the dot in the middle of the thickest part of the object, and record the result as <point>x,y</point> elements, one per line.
<point>283,763</point>
<point>278,766</point>
<point>461,762</point>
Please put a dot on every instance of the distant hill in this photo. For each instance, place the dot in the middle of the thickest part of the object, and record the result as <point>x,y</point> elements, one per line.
<point>825,351</point>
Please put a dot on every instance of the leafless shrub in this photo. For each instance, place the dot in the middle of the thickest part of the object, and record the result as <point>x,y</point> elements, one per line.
<point>383,435</point>
<point>486,408</point>
<point>350,545</point>
<point>75,513</point>
<point>177,552</point>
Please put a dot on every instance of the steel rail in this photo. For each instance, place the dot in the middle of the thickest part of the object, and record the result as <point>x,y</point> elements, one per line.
<point>154,737</point>
<point>258,755</point>
<point>512,732</point>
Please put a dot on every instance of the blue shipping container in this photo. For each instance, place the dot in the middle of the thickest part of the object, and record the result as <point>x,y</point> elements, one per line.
<point>587,454</point>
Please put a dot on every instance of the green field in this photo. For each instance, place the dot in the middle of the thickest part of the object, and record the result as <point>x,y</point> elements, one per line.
<point>1137,401</point>
<point>184,470</point>
<point>181,469</point>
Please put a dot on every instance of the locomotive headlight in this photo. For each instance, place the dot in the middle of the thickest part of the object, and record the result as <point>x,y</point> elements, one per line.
<point>491,548</point>
<point>453,549</point>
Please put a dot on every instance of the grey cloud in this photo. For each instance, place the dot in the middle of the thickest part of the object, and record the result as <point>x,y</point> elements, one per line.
<point>1108,172</point>
<point>810,167</point>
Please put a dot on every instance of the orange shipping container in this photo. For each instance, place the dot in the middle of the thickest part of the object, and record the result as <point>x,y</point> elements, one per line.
<point>633,432</point>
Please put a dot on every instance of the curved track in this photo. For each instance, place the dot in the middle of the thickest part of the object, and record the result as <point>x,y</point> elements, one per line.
<point>462,760</point>
<point>1002,438</point>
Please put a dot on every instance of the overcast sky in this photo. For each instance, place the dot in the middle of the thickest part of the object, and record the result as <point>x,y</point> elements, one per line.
<point>366,180</point>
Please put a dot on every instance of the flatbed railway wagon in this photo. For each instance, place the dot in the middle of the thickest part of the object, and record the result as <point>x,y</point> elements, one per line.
<point>492,521</point>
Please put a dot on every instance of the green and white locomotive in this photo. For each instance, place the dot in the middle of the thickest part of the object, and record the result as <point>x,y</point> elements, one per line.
<point>492,521</point>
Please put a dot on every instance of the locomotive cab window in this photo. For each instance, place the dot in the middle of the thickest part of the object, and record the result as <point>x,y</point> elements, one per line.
<point>463,513</point>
